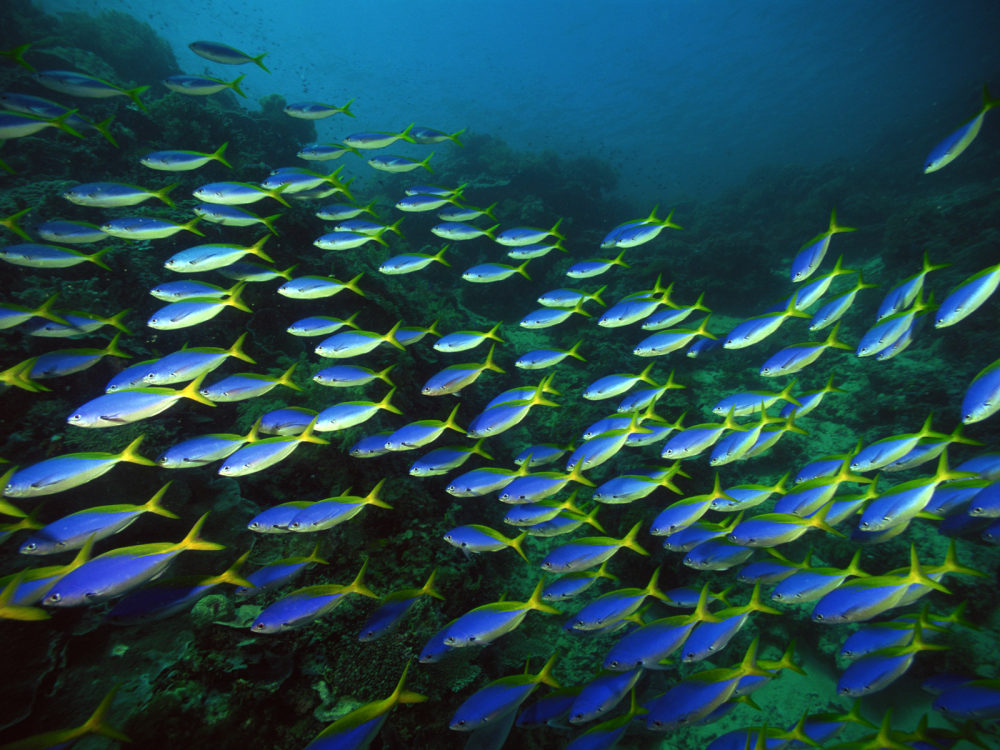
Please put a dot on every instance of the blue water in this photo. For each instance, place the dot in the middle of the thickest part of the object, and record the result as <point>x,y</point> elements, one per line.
<point>685,98</point>
<point>688,102</point>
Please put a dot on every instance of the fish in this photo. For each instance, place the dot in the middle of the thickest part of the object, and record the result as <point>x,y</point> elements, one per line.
<point>32,255</point>
<point>457,231</point>
<point>967,297</point>
<point>205,449</point>
<point>194,310</point>
<point>539,359</point>
<point>91,87</point>
<point>461,341</point>
<point>317,110</point>
<point>586,269</point>
<point>70,470</point>
<point>750,402</point>
<point>45,108</point>
<point>949,149</point>
<point>236,193</point>
<point>353,343</point>
<point>442,460</point>
<point>809,400</point>
<point>76,324</point>
<point>462,213</point>
<point>115,194</point>
<point>223,53</point>
<point>610,386</point>
<point>399,164</point>
<point>772,529</point>
<point>72,531</point>
<point>233,216</point>
<point>247,385</point>
<point>886,450</point>
<point>422,432</point>
<point>475,538</point>
<point>123,569</point>
<point>500,418</point>
<point>359,727</point>
<point>325,152</point>
<point>454,378</point>
<point>878,670</point>
<point>552,316</point>
<point>978,700</point>
<point>602,694</point>
<point>692,440</point>
<point>303,606</point>
<point>164,599</point>
<point>20,124</point>
<point>394,607</point>
<point>588,552</point>
<point>808,294</point>
<point>184,161</point>
<point>339,240</point>
<point>754,330</point>
<point>210,257</point>
<point>905,501</point>
<point>889,330</point>
<point>982,398</point>
<point>638,232</point>
<point>12,315</point>
<point>810,255</point>
<point>317,287</point>
<point>346,376</point>
<point>97,724</point>
<point>834,310</point>
<point>521,236</point>
<point>411,262</point>
<point>500,698</point>
<point>484,624</point>
<point>347,414</point>
<point>627,488</point>
<point>69,232</point>
<point>569,298</point>
<point>795,358</point>
<point>486,273</point>
<point>482,481</point>
<point>903,294</point>
<point>64,362</point>
<point>616,605</point>
<point>607,445</point>
<point>373,140</point>
<point>699,694</point>
<point>265,453</point>
<point>711,636</point>
<point>139,228</point>
<point>860,599</point>
<point>672,316</point>
<point>427,136</point>
<point>809,584</point>
<point>333,511</point>
<point>202,85</point>
<point>321,325</point>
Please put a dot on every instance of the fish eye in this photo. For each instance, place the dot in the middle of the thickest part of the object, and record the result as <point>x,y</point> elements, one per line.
<point>30,547</point>
<point>817,616</point>
<point>56,597</point>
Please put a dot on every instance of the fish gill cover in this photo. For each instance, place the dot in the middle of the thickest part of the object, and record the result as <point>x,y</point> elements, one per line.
<point>713,285</point>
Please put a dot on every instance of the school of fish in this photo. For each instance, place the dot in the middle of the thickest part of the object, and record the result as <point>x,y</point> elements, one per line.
<point>853,496</point>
